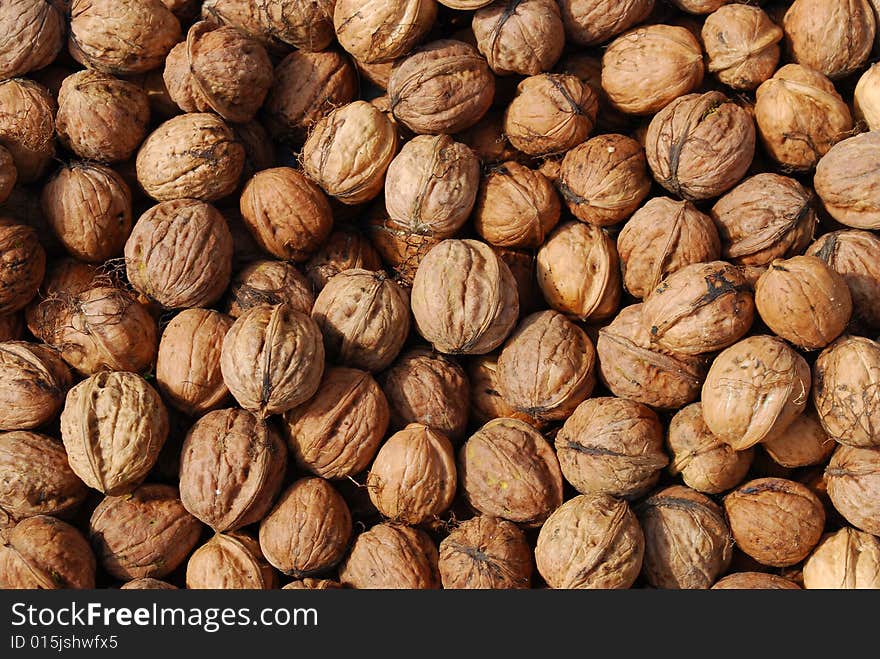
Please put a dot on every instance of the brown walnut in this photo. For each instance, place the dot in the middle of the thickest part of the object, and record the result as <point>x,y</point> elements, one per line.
<point>27,126</point>
<point>743,45</point>
<point>485,553</point>
<point>390,556</point>
<point>229,561</point>
<point>32,33</point>
<point>269,282</point>
<point>520,36</point>
<point>33,382</point>
<point>848,181</point>
<point>848,559</point>
<point>593,22</point>
<point>45,553</point>
<point>853,481</point>
<point>380,31</point>
<point>345,249</point>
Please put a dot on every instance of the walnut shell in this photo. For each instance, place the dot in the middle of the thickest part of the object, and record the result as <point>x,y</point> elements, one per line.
<point>272,359</point>
<point>701,308</point>
<point>32,32</point>
<point>486,401</point>
<point>848,559</point>
<point>800,116</point>
<point>33,383</point>
<point>65,278</point>
<point>804,301</point>
<point>802,444</point>
<point>45,553</point>
<point>304,25</point>
<point>375,31</point>
<point>486,139</point>
<point>27,126</point>
<point>269,282</point>
<point>754,581</point>
<point>345,249</point>
<point>464,298</point>
<point>443,87</point>
<point>520,36</point>
<point>413,478</point>
<point>147,533</point>
<point>866,98</point>
<point>22,265</point>
<point>101,117</point>
<point>113,426</point>
<point>337,432</point>
<point>605,179</point>
<point>590,541</point>
<point>121,36</point>
<point>229,561</point>
<point>147,583</point>
<point>661,237</point>
<point>704,462</point>
<point>649,67</point>
<point>507,469</point>
<point>8,174</point>
<point>743,45</point>
<point>485,553</point>
<point>312,584</point>
<point>775,521</point>
<point>848,181</point>
<point>308,530</point>
<point>400,249</point>
<point>194,155</point>
<point>551,113</point>
<point>853,480</point>
<point>245,15</point>
<point>390,556</point>
<point>579,273</point>
<point>593,22</point>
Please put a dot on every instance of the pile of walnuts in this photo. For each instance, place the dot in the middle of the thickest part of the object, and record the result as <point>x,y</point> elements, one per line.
<point>456,293</point>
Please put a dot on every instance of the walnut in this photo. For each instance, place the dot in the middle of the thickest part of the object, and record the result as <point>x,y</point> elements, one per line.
<point>400,249</point>
<point>486,401</point>
<point>308,530</point>
<point>520,36</point>
<point>45,553</point>
<point>147,583</point>
<point>699,6</point>
<point>229,561</point>
<point>743,45</point>
<point>804,301</point>
<point>390,556</point>
<point>485,553</point>
<point>866,101</point>
<point>754,581</point>
<point>588,68</point>
<point>847,559</point>
<point>33,383</point>
<point>802,444</point>
<point>32,32</point>
<point>375,31</point>
<point>11,327</point>
<point>22,265</point>
<point>64,279</point>
<point>312,584</point>
<point>853,481</point>
<point>593,22</point>
<point>269,282</point>
<point>847,181</point>
<point>304,25</point>
<point>27,126</point>
<point>245,15</point>
<point>590,541</point>
<point>487,140</point>
<point>8,174</point>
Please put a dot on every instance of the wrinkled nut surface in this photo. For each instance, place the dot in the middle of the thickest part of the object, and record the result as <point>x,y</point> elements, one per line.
<point>345,249</point>
<point>375,31</point>
<point>851,254</point>
<point>802,444</point>
<point>593,22</point>
<point>147,583</point>
<point>269,282</point>
<point>853,481</point>
<point>485,399</point>
<point>64,279</point>
<point>27,126</point>
<point>245,15</point>
<point>485,553</point>
<point>743,45</point>
<point>507,469</point>
<point>272,359</point>
<point>113,426</point>
<point>32,34</point>
<point>22,265</point>
<point>687,541</point>
<point>754,581</point>
<point>413,478</point>
<point>229,561</point>
<point>312,584</point>
<point>304,25</point>
<point>520,36</point>
<point>704,462</point>
<point>390,556</point>
<point>338,431</point>
<point>775,521</point>
<point>399,248</point>
<point>33,382</point>
<point>804,301</point>
<point>848,181</point>
<point>231,468</point>
<point>590,541</point>
<point>847,559</point>
<point>308,530</point>
<point>464,298</point>
<point>45,553</point>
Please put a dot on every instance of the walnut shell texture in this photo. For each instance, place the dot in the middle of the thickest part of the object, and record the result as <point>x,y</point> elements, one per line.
<point>848,559</point>
<point>522,36</point>
<point>754,581</point>
<point>345,249</point>
<point>376,32</point>
<point>45,553</point>
<point>743,45</point>
<point>229,561</point>
<point>269,282</point>
<point>802,444</point>
<point>593,22</point>
<point>485,553</point>
<point>27,126</point>
<point>22,265</point>
<point>33,382</point>
<point>848,181</point>
<point>390,556</point>
<point>305,25</point>
<point>32,34</point>
<point>853,480</point>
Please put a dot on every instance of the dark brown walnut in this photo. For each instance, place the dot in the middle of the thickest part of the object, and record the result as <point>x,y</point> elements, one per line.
<point>8,174</point>
<point>33,382</point>
<point>45,553</point>
<point>485,553</point>
<point>590,541</point>
<point>304,25</point>
<point>579,272</point>
<point>443,87</point>
<point>605,179</point>
<point>851,255</point>
<point>188,364</point>
<point>245,15</point>
<point>307,87</point>
<point>831,36</point>
<point>547,367</point>
<point>272,359</point>
<point>848,559</point>
<point>704,462</point>
<point>485,399</point>
<point>848,181</point>
<point>349,150</point>
<point>269,282</point>
<point>308,530</point>
<point>661,237</point>
<point>121,36</point>
<point>431,185</point>
<point>312,584</point>
<point>337,432</point>
<point>218,69</point>
<point>804,301</point>
<point>853,481</point>
<point>486,138</point>
<point>375,31</point>
<point>400,249</point>
<point>11,327</point>
<point>507,469</point>
<point>231,468</point>
<point>147,533</point>
<point>687,541</point>
<point>520,36</point>
<point>754,390</point>
<point>800,116</point>
<point>32,32</point>
<point>550,114</point>
<point>754,581</point>
<point>413,478</point>
<point>230,561</point>
<point>22,265</point>
<point>464,298</point>
<point>743,45</point>
<point>101,117</point>
<point>88,207</point>
<point>194,155</point>
<point>846,391</point>
<point>113,426</point>
<point>64,279</point>
<point>27,126</point>
<point>515,207</point>
<point>593,22</point>
<point>345,249</point>
<point>288,214</point>
<point>147,583</point>
<point>611,446</point>
<point>700,145</point>
<point>701,308</point>
<point>802,444</point>
<point>765,217</point>
<point>391,556</point>
<point>866,98</point>
<point>427,388</point>
<point>775,521</point>
<point>649,67</point>
<point>179,254</point>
